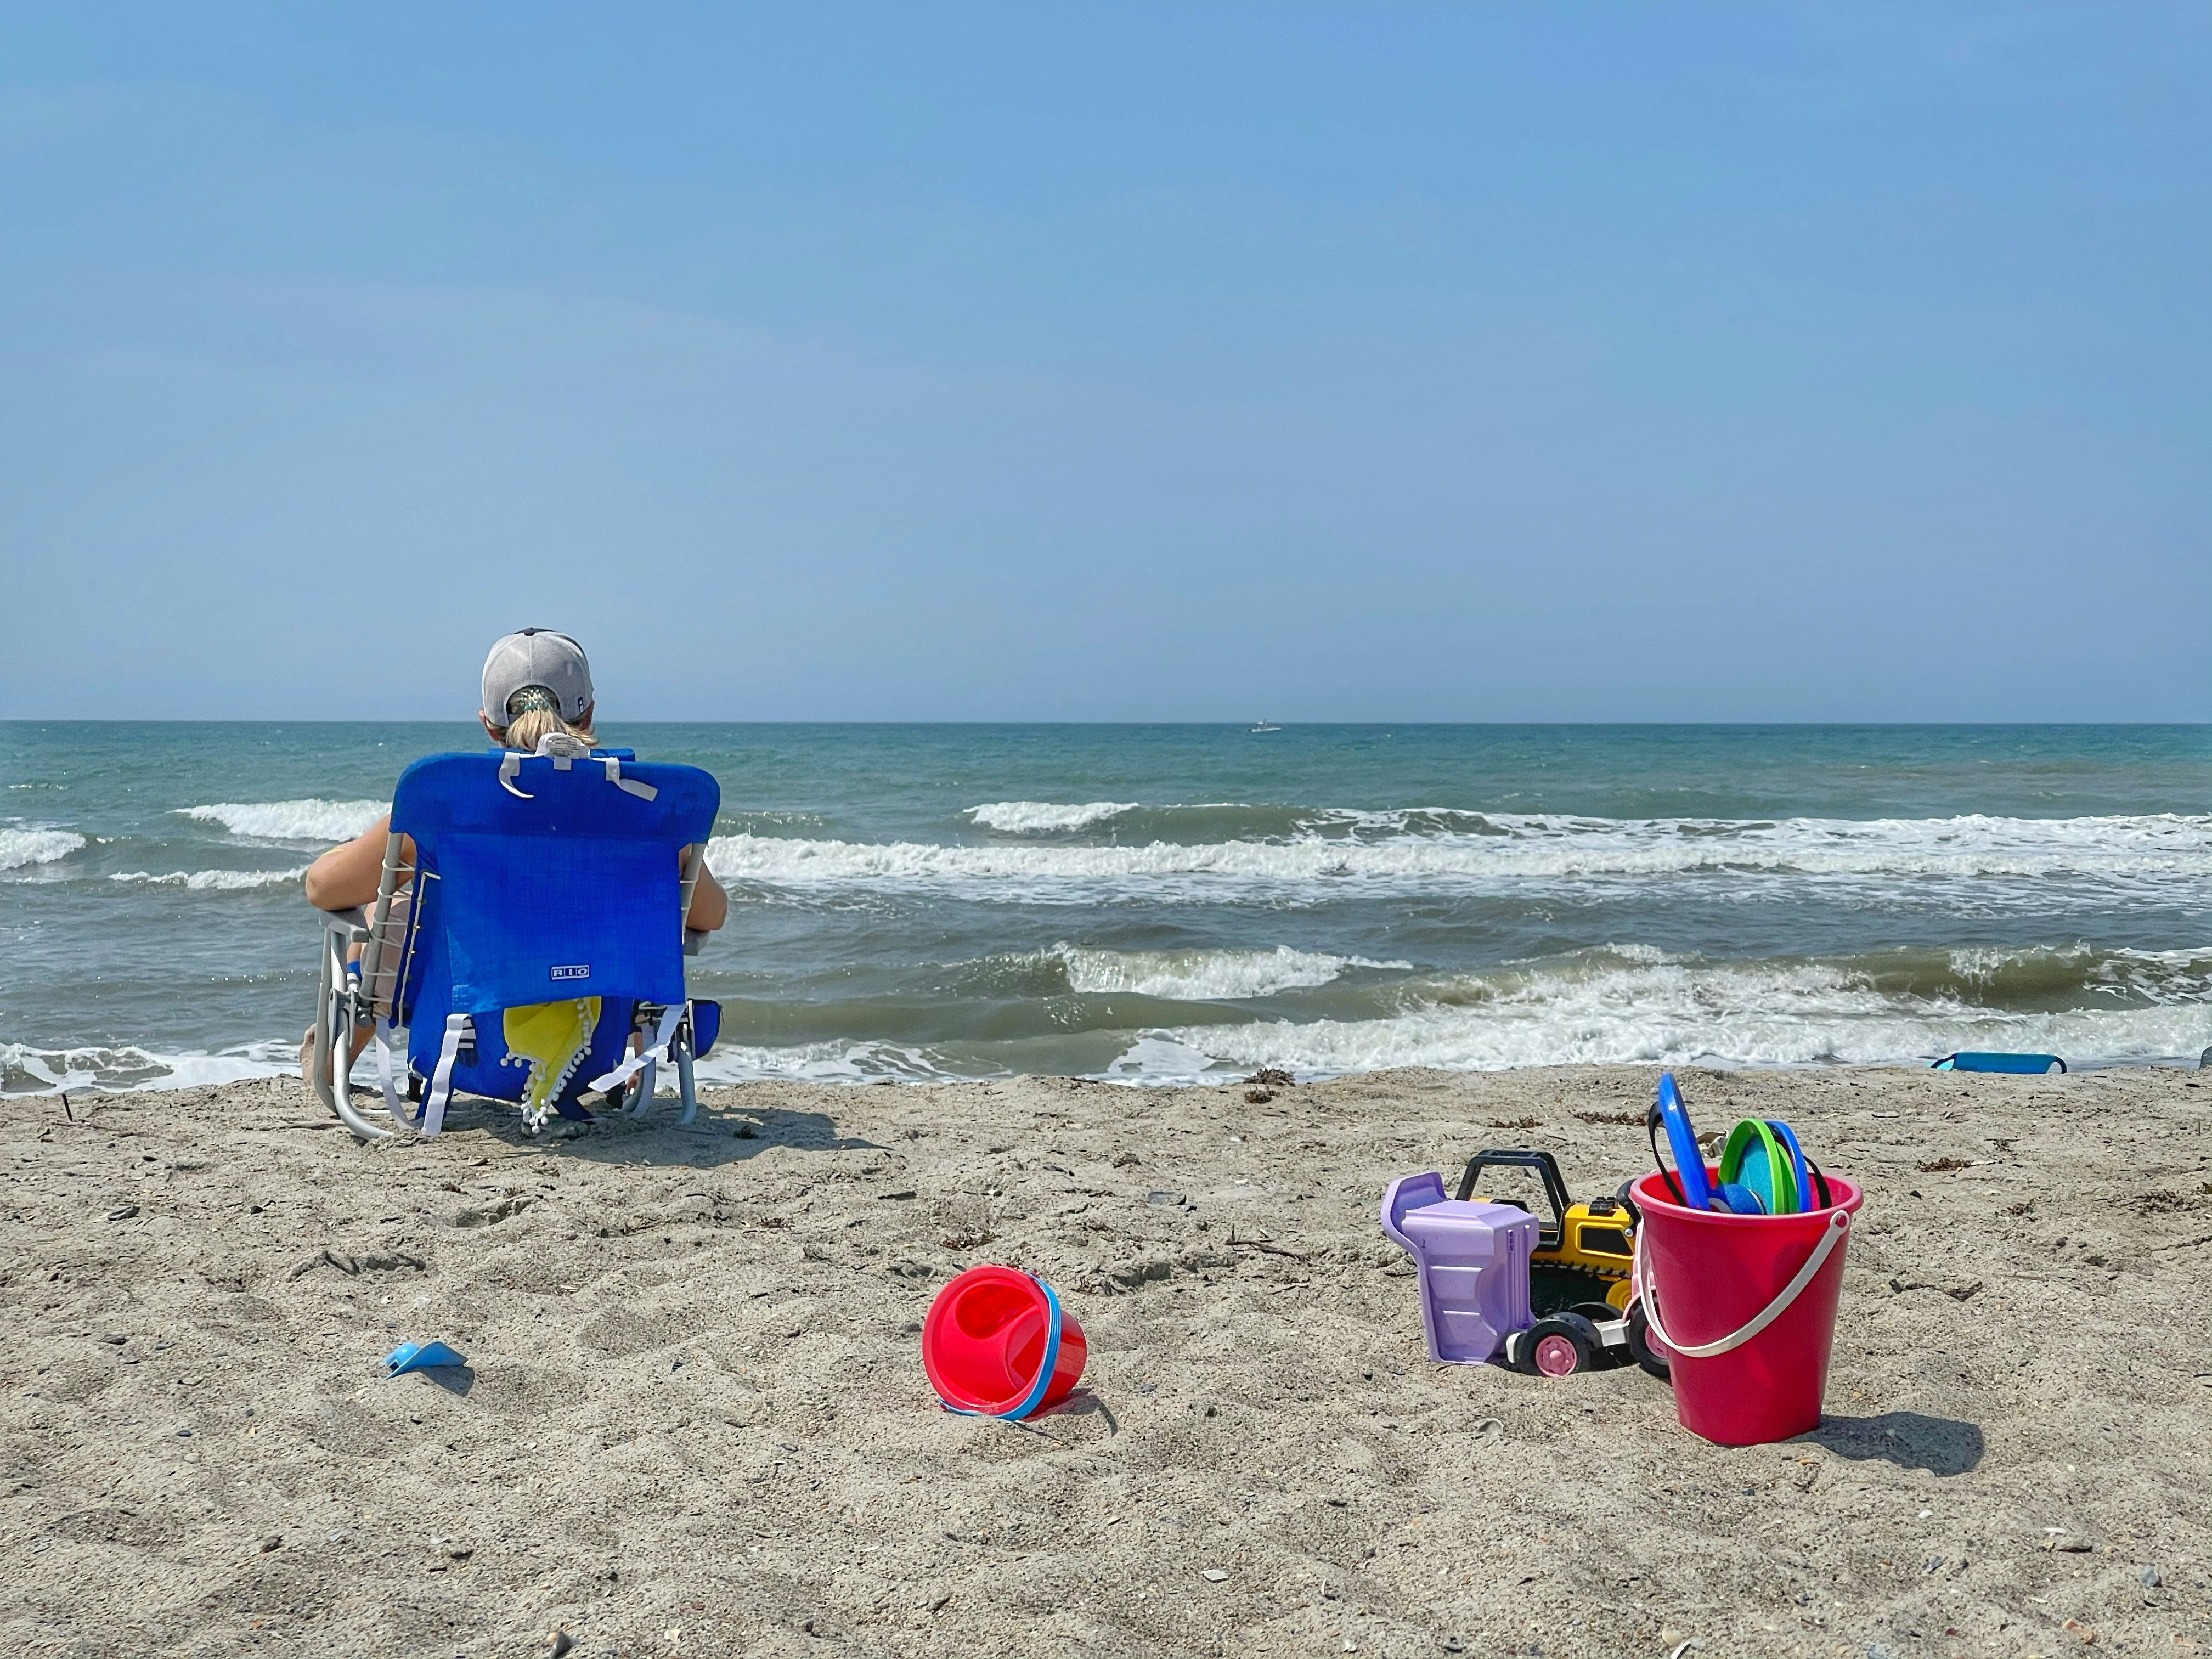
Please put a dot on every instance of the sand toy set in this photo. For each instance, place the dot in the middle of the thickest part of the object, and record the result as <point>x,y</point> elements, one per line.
<point>1498,1283</point>
<point>1723,1278</point>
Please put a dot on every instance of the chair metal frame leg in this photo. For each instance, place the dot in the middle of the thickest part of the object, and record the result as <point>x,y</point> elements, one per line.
<point>640,1100</point>
<point>329,1066</point>
<point>637,1097</point>
<point>684,1082</point>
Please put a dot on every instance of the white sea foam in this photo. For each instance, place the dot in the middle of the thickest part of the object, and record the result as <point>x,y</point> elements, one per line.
<point>28,1070</point>
<point>821,1062</point>
<point>1204,976</point>
<point>2165,847</point>
<point>1158,1057</point>
<point>2164,976</point>
<point>1674,1013</point>
<point>19,847</point>
<point>221,881</point>
<point>292,820</point>
<point>1039,818</point>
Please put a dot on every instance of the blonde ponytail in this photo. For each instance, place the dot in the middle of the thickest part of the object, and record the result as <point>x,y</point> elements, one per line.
<point>533,716</point>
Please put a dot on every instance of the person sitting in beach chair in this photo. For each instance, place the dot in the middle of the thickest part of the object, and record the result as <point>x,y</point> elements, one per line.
<point>523,914</point>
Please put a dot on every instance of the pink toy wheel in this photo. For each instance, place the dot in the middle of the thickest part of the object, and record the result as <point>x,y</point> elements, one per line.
<point>1561,1346</point>
<point>1556,1357</point>
<point>1646,1349</point>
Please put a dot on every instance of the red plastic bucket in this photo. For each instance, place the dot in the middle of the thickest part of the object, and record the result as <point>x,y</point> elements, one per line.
<point>997,1343</point>
<point>1744,1306</point>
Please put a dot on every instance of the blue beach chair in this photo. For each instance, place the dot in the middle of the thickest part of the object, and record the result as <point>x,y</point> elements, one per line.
<point>548,896</point>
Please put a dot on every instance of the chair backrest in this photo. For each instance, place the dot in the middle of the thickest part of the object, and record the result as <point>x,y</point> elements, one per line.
<point>540,877</point>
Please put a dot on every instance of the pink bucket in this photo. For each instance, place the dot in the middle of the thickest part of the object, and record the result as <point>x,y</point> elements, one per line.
<point>1744,1309</point>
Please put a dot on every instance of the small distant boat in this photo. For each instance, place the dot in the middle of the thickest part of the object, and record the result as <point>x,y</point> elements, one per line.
<point>1263,725</point>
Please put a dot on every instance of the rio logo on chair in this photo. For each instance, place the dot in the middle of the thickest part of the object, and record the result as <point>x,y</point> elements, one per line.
<point>575,970</point>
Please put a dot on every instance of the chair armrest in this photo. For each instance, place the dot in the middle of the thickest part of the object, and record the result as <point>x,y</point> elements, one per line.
<point>693,939</point>
<point>349,921</point>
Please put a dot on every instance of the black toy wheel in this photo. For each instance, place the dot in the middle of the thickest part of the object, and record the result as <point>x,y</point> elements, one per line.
<point>1602,1315</point>
<point>1561,1346</point>
<point>1648,1353</point>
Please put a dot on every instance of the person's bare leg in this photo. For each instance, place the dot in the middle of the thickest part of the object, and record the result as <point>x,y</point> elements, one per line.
<point>361,1034</point>
<point>395,932</point>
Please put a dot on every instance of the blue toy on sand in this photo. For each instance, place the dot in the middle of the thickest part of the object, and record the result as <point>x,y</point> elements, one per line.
<point>2025,1065</point>
<point>420,1357</point>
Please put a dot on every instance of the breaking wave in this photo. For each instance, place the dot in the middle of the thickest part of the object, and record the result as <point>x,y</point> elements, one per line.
<point>19,847</point>
<point>1753,1014</point>
<point>1130,822</point>
<point>2166,847</point>
<point>221,881</point>
<point>1204,975</point>
<point>1037,818</point>
<point>292,820</point>
<point>823,1062</point>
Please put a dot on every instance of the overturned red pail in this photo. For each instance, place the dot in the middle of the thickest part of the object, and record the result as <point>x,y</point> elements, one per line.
<point>997,1343</point>
<point>1745,1306</point>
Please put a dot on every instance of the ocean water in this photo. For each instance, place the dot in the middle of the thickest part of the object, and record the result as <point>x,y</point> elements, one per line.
<point>1160,903</point>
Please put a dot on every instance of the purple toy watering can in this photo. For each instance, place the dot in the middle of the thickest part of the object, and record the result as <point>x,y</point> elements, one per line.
<point>1473,1264</point>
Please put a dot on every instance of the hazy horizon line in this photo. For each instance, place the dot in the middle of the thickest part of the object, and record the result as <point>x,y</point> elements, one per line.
<point>1347,725</point>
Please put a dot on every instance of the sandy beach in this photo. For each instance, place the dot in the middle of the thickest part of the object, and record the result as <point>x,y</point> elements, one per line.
<point>693,1420</point>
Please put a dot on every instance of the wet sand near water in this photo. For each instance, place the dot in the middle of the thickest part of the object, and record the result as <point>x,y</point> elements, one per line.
<point>695,1421</point>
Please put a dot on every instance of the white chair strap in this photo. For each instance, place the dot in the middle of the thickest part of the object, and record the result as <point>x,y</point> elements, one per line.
<point>670,1017</point>
<point>392,1103</point>
<point>441,1080</point>
<point>563,749</point>
<point>562,756</point>
<point>628,786</point>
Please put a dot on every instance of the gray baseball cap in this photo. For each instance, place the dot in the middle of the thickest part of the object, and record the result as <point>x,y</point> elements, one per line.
<point>536,656</point>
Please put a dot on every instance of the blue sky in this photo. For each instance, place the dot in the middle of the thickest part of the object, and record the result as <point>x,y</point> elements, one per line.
<point>1466,363</point>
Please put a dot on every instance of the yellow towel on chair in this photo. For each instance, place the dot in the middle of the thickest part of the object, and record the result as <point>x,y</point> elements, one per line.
<point>551,1038</point>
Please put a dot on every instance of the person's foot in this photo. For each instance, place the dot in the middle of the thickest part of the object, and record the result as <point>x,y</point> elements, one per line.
<point>361,1034</point>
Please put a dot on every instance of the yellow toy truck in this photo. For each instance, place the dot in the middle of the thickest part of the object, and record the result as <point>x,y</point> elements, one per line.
<point>1579,1285</point>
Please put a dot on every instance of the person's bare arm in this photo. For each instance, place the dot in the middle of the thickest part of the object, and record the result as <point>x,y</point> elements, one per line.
<point>347,875</point>
<point>710,905</point>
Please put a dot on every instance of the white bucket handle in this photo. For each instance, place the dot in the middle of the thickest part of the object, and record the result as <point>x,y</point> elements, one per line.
<point>1831,1236</point>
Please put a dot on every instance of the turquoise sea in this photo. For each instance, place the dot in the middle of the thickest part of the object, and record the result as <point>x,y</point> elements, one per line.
<point>1157,903</point>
